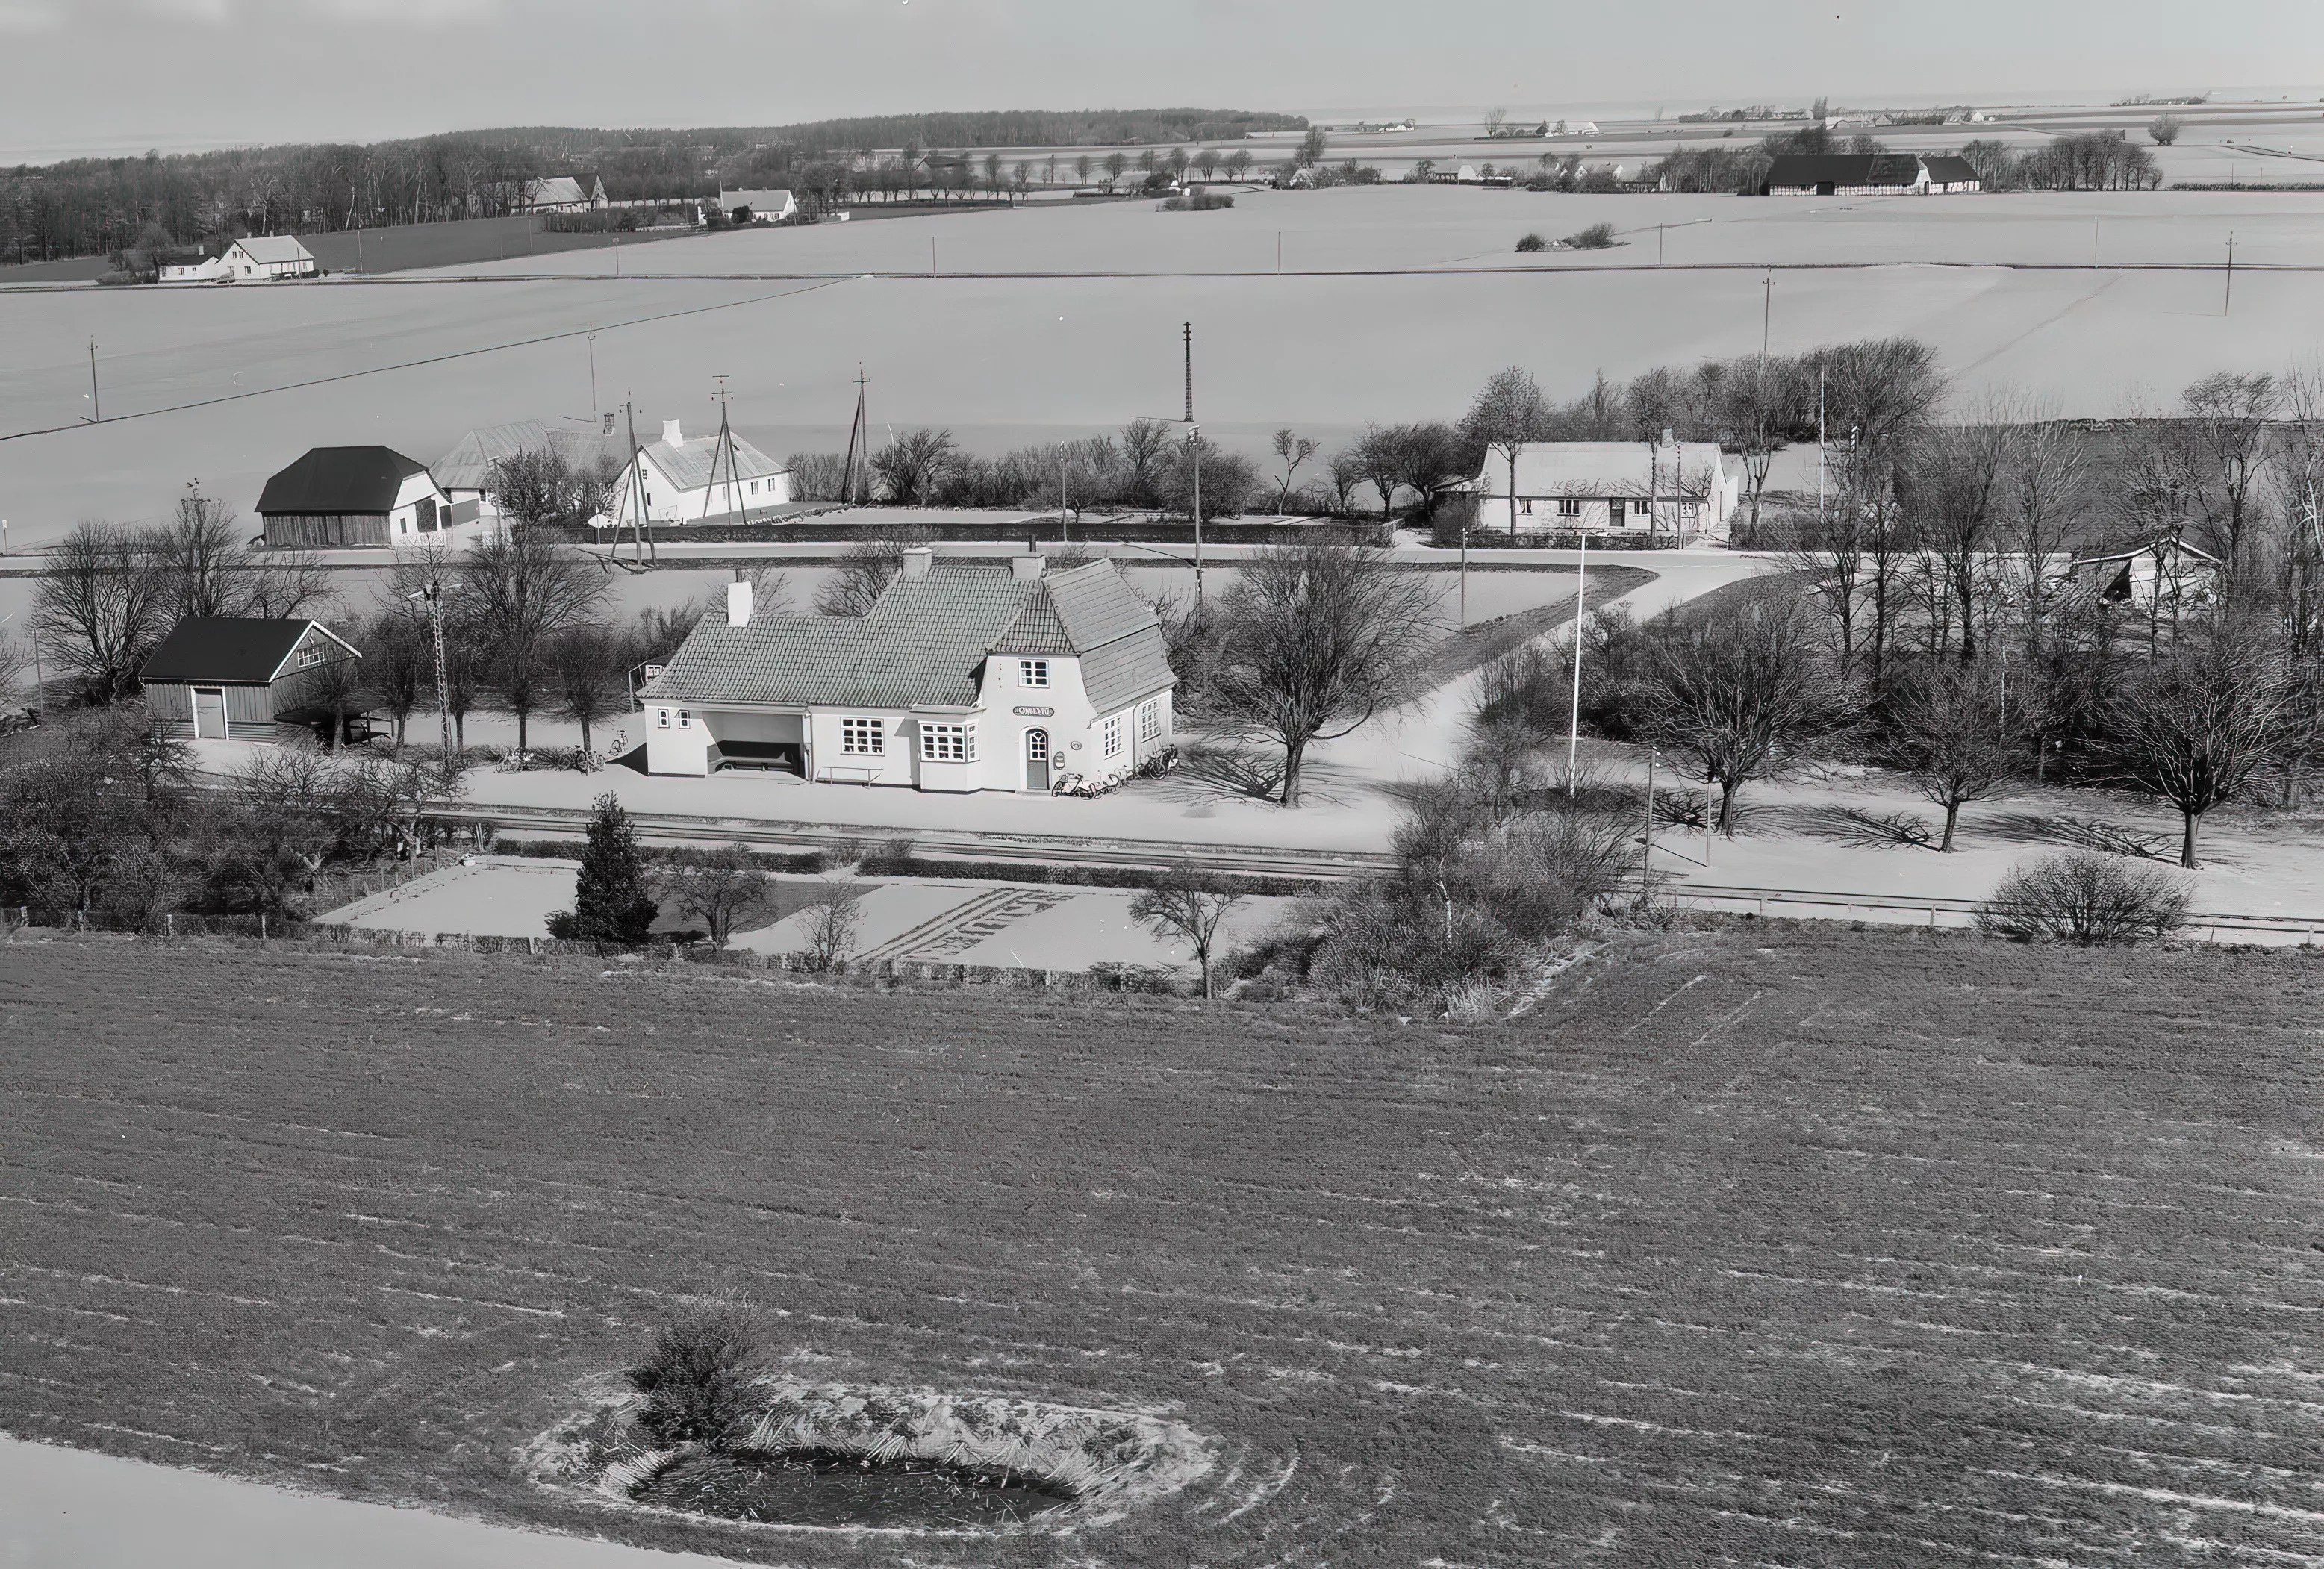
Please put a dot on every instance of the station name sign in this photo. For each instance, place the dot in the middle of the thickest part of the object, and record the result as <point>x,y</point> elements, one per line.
<point>1034,711</point>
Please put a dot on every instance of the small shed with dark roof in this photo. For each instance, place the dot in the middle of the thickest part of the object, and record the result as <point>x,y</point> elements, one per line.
<point>352,497</point>
<point>236,677</point>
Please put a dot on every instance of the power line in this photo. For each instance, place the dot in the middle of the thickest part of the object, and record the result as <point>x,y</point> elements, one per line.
<point>419,364</point>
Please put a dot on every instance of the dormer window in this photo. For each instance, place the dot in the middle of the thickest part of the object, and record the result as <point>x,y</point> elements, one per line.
<point>1032,672</point>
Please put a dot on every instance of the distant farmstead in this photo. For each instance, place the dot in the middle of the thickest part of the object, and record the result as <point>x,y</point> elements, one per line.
<point>702,480</point>
<point>338,498</point>
<point>257,260</point>
<point>565,193</point>
<point>964,676</point>
<point>758,207</point>
<point>221,677</point>
<point>1648,491</point>
<point>1869,174</point>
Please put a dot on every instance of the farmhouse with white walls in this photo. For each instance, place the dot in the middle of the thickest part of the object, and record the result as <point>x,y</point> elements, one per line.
<point>964,675</point>
<point>1640,490</point>
<point>714,479</point>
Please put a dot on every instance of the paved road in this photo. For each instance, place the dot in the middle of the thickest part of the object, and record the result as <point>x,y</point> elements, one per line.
<point>68,1506</point>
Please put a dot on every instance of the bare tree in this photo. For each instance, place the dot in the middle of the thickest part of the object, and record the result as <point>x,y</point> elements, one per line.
<point>1144,449</point>
<point>101,605</point>
<point>910,465</point>
<point>1755,407</point>
<point>717,887</point>
<point>862,576</point>
<point>2227,418</point>
<point>1954,739</point>
<point>536,487</point>
<point>399,664</point>
<point>829,920</point>
<point>1291,451</point>
<point>2043,480</point>
<point>1239,162</point>
<point>1508,413</point>
<point>520,590</point>
<point>1316,640</point>
<point>1345,474</point>
<point>586,664</point>
<point>1738,689</point>
<point>2197,722</point>
<point>2164,129</point>
<point>1192,905</point>
<point>1953,490</point>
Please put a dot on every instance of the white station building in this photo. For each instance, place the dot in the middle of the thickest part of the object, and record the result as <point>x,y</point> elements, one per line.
<point>964,675</point>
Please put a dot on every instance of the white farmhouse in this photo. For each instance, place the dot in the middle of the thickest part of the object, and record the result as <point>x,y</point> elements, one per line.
<point>1641,489</point>
<point>694,482</point>
<point>256,260</point>
<point>964,675</point>
<point>758,207</point>
<point>564,193</point>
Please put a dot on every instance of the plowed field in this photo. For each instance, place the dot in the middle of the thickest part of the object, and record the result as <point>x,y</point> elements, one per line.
<point>1789,1246</point>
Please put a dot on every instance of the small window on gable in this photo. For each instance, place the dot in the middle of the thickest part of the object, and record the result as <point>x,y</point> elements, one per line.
<point>310,655</point>
<point>661,718</point>
<point>1032,672</point>
<point>684,720</point>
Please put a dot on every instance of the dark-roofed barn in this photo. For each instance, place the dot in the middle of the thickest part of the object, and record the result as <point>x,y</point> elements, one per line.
<point>964,676</point>
<point>352,497</point>
<point>232,678</point>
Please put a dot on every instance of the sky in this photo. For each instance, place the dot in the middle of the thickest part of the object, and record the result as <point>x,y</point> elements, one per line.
<point>82,77</point>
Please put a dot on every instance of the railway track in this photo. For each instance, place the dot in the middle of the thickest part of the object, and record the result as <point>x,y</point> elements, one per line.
<point>948,843</point>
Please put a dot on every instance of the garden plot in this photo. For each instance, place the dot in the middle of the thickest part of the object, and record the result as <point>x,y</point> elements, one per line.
<point>1778,1244</point>
<point>486,896</point>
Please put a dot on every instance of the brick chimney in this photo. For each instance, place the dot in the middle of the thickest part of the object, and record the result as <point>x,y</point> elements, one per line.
<point>917,560</point>
<point>670,433</point>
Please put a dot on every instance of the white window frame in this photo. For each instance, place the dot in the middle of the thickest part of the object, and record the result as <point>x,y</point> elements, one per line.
<point>1032,672</point>
<point>863,737</point>
<point>685,719</point>
<point>947,741</point>
<point>1569,506</point>
<point>312,655</point>
<point>1109,737</point>
<point>1149,719</point>
<point>661,718</point>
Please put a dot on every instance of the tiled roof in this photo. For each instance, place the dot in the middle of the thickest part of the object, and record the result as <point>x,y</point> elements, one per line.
<point>688,466</point>
<point>469,464</point>
<point>1949,168</point>
<point>1037,629</point>
<point>923,643</point>
<point>340,479</point>
<point>1126,669</point>
<point>1893,169</point>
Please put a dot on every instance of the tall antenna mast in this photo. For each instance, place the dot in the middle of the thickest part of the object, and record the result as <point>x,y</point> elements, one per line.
<point>1187,334</point>
<point>1195,452</point>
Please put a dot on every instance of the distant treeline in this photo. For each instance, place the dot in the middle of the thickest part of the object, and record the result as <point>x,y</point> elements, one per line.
<point>155,204</point>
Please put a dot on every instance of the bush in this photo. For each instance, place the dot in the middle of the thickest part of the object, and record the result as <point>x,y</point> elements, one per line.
<point>1533,243</point>
<point>1197,200</point>
<point>696,1379</point>
<point>1596,237</point>
<point>2085,897</point>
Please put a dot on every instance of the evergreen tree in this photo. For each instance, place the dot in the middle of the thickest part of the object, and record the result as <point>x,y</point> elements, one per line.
<point>610,904</point>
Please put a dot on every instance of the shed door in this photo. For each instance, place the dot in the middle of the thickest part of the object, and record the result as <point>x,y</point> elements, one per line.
<point>209,714</point>
<point>1036,760</point>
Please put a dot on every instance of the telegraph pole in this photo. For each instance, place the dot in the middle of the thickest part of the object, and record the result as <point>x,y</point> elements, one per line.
<point>1573,737</point>
<point>96,410</point>
<point>2225,306</point>
<point>1194,443</point>
<point>593,370</point>
<point>637,487</point>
